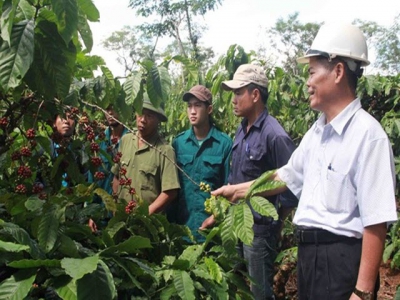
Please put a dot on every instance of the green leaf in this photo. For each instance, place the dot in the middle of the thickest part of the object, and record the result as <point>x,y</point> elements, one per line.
<point>34,203</point>
<point>54,62</point>
<point>168,292</point>
<point>395,261</point>
<point>264,207</point>
<point>89,9</point>
<point>32,263</point>
<point>67,16</point>
<point>158,83</point>
<point>129,246</point>
<point>97,285</point>
<point>388,252</point>
<point>260,181</point>
<point>18,208</point>
<point>124,111</point>
<point>22,237</point>
<point>48,227</point>
<point>122,263</point>
<point>201,272</point>
<point>107,199</point>
<point>168,260</point>
<point>184,285</point>
<point>189,66</point>
<point>16,58</point>
<point>213,269</point>
<point>113,229</point>
<point>48,15</point>
<point>397,296</point>
<point>108,76</point>
<point>85,32</point>
<point>7,19</point>
<point>215,290</point>
<point>267,186</point>
<point>78,267</point>
<point>240,284</point>
<point>165,274</point>
<point>65,288</point>
<point>228,236</point>
<point>17,286</point>
<point>243,223</point>
<point>213,232</point>
<point>12,247</point>
<point>132,89</point>
<point>67,246</point>
<point>180,264</point>
<point>142,265</point>
<point>192,254</point>
<point>150,227</point>
<point>27,10</point>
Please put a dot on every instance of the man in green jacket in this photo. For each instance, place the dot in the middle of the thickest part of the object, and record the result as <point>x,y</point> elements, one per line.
<point>203,152</point>
<point>146,169</point>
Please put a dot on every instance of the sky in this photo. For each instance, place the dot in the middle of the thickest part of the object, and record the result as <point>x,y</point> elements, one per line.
<point>243,22</point>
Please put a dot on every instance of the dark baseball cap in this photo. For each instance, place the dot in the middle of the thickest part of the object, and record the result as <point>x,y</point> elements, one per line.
<point>200,92</point>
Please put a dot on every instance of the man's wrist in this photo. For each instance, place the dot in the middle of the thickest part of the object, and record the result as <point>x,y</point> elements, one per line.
<point>364,295</point>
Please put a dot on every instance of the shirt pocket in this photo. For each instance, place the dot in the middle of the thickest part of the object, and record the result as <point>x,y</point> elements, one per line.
<point>125,162</point>
<point>253,166</point>
<point>339,193</point>
<point>212,167</point>
<point>185,161</point>
<point>148,175</point>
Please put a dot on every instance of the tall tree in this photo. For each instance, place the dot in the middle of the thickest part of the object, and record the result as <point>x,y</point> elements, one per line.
<point>174,19</point>
<point>291,39</point>
<point>131,46</point>
<point>387,46</point>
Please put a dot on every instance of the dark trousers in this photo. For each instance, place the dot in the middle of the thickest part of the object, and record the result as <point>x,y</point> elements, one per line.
<point>260,258</point>
<point>328,270</point>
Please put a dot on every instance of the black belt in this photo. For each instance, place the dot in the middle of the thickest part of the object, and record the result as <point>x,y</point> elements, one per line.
<point>318,236</point>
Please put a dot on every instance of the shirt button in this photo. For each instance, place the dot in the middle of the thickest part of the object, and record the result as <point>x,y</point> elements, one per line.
<point>251,156</point>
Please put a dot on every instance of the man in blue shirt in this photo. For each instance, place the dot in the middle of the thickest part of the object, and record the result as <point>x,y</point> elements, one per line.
<point>112,136</point>
<point>260,144</point>
<point>62,143</point>
<point>203,152</point>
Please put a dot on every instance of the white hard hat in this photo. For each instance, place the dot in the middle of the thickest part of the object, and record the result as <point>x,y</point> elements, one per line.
<point>344,40</point>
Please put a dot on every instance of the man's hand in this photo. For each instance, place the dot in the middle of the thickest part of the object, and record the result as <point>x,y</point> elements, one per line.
<point>92,226</point>
<point>161,202</point>
<point>210,221</point>
<point>115,185</point>
<point>233,192</point>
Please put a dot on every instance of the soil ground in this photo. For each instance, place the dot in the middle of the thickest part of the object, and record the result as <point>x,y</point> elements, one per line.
<point>390,279</point>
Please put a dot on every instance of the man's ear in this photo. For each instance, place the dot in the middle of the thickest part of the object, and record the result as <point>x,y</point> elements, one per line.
<point>256,95</point>
<point>339,71</point>
<point>209,109</point>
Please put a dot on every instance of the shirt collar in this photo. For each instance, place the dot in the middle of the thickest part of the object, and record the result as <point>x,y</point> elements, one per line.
<point>151,140</point>
<point>189,135</point>
<point>340,121</point>
<point>259,121</point>
<point>107,132</point>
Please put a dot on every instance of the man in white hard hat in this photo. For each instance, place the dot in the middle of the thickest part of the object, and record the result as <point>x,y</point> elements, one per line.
<point>343,172</point>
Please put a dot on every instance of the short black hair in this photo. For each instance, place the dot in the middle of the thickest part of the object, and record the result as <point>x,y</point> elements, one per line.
<point>263,91</point>
<point>352,77</point>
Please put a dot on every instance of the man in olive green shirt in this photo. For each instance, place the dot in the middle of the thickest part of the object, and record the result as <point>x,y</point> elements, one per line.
<point>151,168</point>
